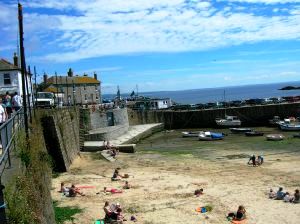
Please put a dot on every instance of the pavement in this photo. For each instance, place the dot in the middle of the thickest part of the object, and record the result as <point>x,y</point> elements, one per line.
<point>134,134</point>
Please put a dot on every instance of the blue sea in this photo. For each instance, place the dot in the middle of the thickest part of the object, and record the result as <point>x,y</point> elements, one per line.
<point>194,96</point>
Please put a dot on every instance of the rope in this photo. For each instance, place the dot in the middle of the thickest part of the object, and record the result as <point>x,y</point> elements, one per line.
<point>3,206</point>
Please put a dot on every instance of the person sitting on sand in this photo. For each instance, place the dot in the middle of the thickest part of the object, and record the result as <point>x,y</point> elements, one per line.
<point>109,213</point>
<point>64,189</point>
<point>296,198</point>
<point>112,190</point>
<point>198,192</point>
<point>120,217</point>
<point>126,185</point>
<point>239,215</point>
<point>73,191</point>
<point>116,175</point>
<point>272,194</point>
<point>253,160</point>
<point>260,160</point>
<point>287,197</point>
<point>280,194</point>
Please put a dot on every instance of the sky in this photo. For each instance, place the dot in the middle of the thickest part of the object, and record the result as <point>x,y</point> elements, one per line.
<point>158,44</point>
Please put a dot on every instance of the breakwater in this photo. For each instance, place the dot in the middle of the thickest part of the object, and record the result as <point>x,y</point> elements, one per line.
<point>249,115</point>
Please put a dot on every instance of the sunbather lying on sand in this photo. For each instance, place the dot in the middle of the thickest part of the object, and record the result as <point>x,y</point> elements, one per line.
<point>198,192</point>
<point>112,190</point>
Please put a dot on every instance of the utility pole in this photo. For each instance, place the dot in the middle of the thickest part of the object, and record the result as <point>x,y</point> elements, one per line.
<point>27,91</point>
<point>35,82</point>
<point>31,87</point>
<point>23,67</point>
<point>67,91</point>
<point>56,88</point>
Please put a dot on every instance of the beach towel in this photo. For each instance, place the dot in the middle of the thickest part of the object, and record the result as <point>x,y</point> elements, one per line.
<point>201,209</point>
<point>82,187</point>
<point>99,222</point>
<point>239,222</point>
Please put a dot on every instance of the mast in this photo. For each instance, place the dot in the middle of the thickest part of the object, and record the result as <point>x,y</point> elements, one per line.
<point>224,103</point>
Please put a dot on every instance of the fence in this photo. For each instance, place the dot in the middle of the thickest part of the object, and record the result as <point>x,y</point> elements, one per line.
<point>8,132</point>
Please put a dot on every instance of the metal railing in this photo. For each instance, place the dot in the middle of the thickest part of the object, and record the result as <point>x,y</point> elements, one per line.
<point>8,133</point>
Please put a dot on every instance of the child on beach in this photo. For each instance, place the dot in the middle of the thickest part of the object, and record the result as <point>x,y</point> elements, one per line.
<point>112,190</point>
<point>116,175</point>
<point>272,195</point>
<point>253,160</point>
<point>198,192</point>
<point>280,194</point>
<point>73,191</point>
<point>126,185</point>
<point>296,198</point>
<point>239,215</point>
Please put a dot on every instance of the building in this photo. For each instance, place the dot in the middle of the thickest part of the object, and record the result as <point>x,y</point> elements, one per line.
<point>11,78</point>
<point>70,90</point>
<point>152,104</point>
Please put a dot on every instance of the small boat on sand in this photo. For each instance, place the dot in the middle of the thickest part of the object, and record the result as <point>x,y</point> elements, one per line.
<point>190,133</point>
<point>296,135</point>
<point>228,121</point>
<point>274,137</point>
<point>210,136</point>
<point>254,133</point>
<point>240,130</point>
<point>289,126</point>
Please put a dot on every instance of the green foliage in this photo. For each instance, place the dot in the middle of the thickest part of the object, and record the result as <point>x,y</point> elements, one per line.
<point>28,194</point>
<point>63,214</point>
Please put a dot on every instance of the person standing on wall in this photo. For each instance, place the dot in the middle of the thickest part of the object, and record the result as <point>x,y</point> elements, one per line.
<point>16,102</point>
<point>7,103</point>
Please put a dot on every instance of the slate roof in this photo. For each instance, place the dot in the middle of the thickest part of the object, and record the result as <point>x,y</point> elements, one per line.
<point>7,66</point>
<point>70,80</point>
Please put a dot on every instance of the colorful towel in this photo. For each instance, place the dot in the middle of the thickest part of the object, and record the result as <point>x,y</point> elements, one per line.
<point>239,222</point>
<point>99,222</point>
<point>82,187</point>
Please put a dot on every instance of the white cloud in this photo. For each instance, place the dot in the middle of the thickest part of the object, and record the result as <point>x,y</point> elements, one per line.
<point>133,26</point>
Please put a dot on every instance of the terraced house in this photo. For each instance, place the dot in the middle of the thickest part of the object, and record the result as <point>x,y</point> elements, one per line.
<point>74,90</point>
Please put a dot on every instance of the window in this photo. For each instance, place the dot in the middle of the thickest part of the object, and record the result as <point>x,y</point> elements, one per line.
<point>84,87</point>
<point>7,80</point>
<point>96,88</point>
<point>85,96</point>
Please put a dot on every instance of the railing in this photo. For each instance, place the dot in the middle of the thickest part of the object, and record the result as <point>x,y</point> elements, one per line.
<point>8,133</point>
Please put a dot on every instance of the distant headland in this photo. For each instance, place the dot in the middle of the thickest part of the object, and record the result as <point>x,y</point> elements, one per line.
<point>289,88</point>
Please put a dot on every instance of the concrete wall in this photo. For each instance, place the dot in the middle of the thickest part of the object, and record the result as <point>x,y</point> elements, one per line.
<point>250,116</point>
<point>61,133</point>
<point>99,118</point>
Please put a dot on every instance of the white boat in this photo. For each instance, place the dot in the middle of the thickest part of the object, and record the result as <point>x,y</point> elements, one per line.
<point>228,121</point>
<point>289,126</point>
<point>275,137</point>
<point>240,130</point>
<point>190,133</point>
<point>210,136</point>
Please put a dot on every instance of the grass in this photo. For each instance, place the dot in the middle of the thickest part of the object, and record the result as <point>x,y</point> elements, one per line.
<point>63,214</point>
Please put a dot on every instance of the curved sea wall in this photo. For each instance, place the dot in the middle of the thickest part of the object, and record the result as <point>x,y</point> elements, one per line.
<point>249,115</point>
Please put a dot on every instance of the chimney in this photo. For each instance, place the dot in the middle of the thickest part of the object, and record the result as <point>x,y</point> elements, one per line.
<point>95,75</point>
<point>16,62</point>
<point>45,78</point>
<point>70,73</point>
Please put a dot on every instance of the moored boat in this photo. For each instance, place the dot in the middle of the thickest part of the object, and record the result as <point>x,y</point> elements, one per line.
<point>290,126</point>
<point>254,133</point>
<point>275,137</point>
<point>296,135</point>
<point>228,121</point>
<point>190,133</point>
<point>210,136</point>
<point>240,130</point>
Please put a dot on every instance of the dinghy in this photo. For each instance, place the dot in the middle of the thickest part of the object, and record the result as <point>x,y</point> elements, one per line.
<point>254,133</point>
<point>240,130</point>
<point>274,137</point>
<point>190,133</point>
<point>210,136</point>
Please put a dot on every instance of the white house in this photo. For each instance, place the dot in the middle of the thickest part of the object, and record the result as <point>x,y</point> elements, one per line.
<point>153,104</point>
<point>11,78</point>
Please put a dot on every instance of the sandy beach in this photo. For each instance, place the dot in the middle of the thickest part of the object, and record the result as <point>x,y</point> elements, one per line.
<point>167,169</point>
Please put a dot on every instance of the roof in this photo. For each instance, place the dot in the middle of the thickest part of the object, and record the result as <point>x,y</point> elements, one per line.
<point>6,65</point>
<point>70,80</point>
<point>51,89</point>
